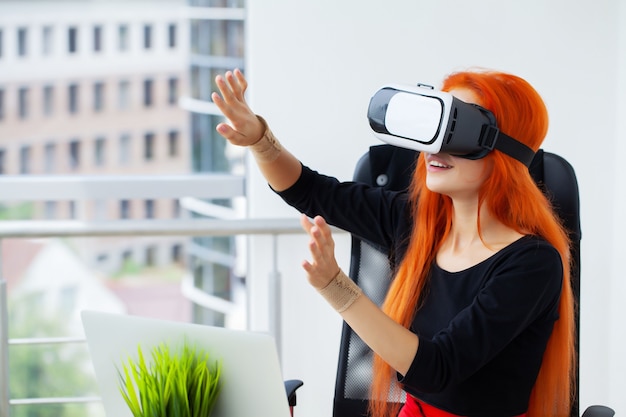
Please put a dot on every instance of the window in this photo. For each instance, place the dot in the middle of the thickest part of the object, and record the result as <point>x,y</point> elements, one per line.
<point>99,151</point>
<point>123,95</point>
<point>98,97</point>
<point>22,41</point>
<point>148,152</point>
<point>176,208</point>
<point>172,143</point>
<point>172,90</point>
<point>217,37</point>
<point>151,255</point>
<point>72,98</point>
<point>1,104</point>
<point>122,38</point>
<point>72,39</point>
<point>124,148</point>
<point>149,209</point>
<point>127,257</point>
<point>74,154</point>
<point>97,38</point>
<point>50,210</point>
<point>3,157</point>
<point>47,40</point>
<point>22,105</point>
<point>124,209</point>
<point>25,159</point>
<point>171,35</point>
<point>177,253</point>
<point>48,100</point>
<point>72,210</point>
<point>50,151</point>
<point>1,43</point>
<point>147,36</point>
<point>67,298</point>
<point>148,86</point>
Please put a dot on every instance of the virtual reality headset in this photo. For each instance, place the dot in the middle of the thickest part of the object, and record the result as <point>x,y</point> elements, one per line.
<point>427,120</point>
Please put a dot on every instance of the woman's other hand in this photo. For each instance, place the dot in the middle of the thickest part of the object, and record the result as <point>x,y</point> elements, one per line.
<point>323,267</point>
<point>244,128</point>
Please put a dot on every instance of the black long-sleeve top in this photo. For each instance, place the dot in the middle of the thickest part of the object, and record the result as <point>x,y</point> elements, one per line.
<point>482,331</point>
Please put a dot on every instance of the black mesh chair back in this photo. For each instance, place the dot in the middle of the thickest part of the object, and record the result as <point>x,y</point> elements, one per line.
<point>391,167</point>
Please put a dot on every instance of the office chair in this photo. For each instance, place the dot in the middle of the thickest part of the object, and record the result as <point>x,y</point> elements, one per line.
<point>391,167</point>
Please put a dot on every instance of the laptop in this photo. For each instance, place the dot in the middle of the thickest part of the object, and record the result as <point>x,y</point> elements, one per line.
<point>252,384</point>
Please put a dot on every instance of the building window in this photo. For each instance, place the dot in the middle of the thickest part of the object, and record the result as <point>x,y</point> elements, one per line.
<point>73,213</point>
<point>72,39</point>
<point>1,104</point>
<point>122,38</point>
<point>25,159</point>
<point>124,209</point>
<point>1,43</point>
<point>67,299</point>
<point>173,143</point>
<point>72,98</point>
<point>147,36</point>
<point>50,150</point>
<point>177,253</point>
<point>172,90</point>
<point>176,208</point>
<point>98,97</point>
<point>47,40</point>
<point>50,210</point>
<point>99,151</point>
<point>150,209</point>
<point>48,100</point>
<point>171,35</point>
<point>226,37</point>
<point>127,257</point>
<point>22,105</point>
<point>148,141</point>
<point>74,154</point>
<point>148,86</point>
<point>124,148</point>
<point>123,95</point>
<point>151,255</point>
<point>97,38</point>
<point>22,41</point>
<point>3,157</point>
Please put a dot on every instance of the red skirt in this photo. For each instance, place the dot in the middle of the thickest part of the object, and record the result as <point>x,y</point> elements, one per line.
<point>416,408</point>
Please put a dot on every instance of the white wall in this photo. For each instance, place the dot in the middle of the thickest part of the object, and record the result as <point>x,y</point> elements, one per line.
<point>617,283</point>
<point>313,66</point>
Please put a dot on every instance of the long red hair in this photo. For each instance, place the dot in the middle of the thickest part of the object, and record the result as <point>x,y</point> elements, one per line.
<point>513,198</point>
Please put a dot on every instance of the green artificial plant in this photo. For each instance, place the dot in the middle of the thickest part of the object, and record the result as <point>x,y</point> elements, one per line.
<point>174,384</point>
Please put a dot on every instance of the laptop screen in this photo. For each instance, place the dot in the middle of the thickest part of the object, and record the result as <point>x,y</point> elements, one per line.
<point>252,384</point>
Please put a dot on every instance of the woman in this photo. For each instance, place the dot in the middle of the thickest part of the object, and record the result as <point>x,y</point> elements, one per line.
<point>479,318</point>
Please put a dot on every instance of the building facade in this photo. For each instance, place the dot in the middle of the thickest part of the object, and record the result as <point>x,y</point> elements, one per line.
<point>92,88</point>
<point>217,29</point>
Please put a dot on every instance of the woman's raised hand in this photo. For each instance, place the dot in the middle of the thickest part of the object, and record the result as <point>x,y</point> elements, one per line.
<point>244,128</point>
<point>323,266</point>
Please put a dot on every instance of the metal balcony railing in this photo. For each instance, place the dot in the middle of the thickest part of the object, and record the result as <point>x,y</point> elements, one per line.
<point>194,187</point>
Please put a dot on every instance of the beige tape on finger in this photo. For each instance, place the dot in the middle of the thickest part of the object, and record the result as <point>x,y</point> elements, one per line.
<point>268,148</point>
<point>341,292</point>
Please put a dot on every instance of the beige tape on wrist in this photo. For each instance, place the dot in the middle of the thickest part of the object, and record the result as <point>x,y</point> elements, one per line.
<point>341,292</point>
<point>268,148</point>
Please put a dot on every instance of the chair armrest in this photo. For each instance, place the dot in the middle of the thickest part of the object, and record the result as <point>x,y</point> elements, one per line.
<point>291,386</point>
<point>598,411</point>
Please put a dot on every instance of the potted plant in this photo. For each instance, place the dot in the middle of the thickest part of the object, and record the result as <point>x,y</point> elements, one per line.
<point>174,383</point>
